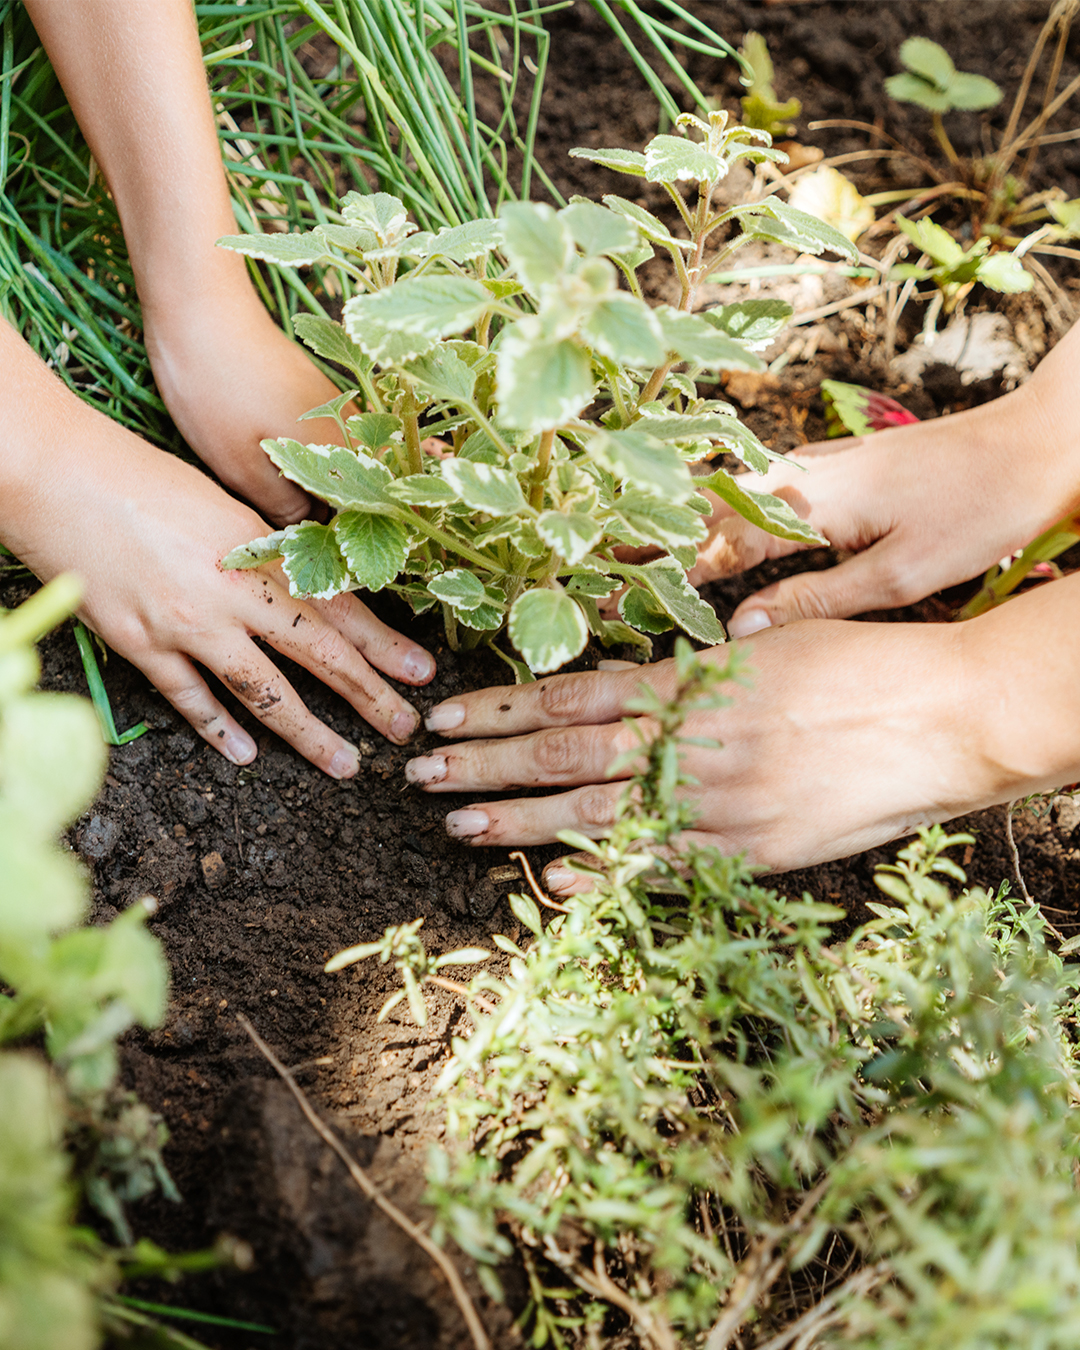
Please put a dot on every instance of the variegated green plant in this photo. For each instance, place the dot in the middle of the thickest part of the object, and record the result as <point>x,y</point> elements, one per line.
<point>568,404</point>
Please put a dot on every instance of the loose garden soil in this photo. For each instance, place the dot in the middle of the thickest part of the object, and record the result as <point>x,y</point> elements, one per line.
<point>263,872</point>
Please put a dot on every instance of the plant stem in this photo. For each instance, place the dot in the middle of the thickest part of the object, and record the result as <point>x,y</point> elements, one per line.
<point>540,473</point>
<point>942,137</point>
<point>411,423</point>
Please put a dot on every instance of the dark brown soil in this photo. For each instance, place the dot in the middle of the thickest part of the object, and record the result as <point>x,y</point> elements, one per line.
<point>263,872</point>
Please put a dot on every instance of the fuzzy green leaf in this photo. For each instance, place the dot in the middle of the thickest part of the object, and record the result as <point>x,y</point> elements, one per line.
<point>672,159</point>
<point>933,240</point>
<point>375,547</point>
<point>652,227</point>
<point>571,534</point>
<point>342,477</point>
<point>484,487</point>
<point>693,338</point>
<point>428,306</point>
<point>330,341</point>
<point>624,328</point>
<point>753,322</point>
<point>525,910</point>
<point>909,88</point>
<point>801,230</point>
<point>465,243</point>
<point>351,238</point>
<point>928,59</point>
<point>444,375</point>
<point>654,521</point>
<point>643,611</point>
<point>541,382</point>
<point>377,336</point>
<point>259,551</point>
<point>678,598</point>
<point>384,215</point>
<point>331,408</point>
<point>729,432</point>
<point>458,588</point>
<point>644,462</point>
<point>286,250</point>
<point>622,161</point>
<point>312,561</point>
<point>762,509</point>
<point>593,584</point>
<point>420,489</point>
<point>973,93</point>
<point>373,430</point>
<point>597,230</point>
<point>537,242</point>
<point>548,628</point>
<point>1004,272</point>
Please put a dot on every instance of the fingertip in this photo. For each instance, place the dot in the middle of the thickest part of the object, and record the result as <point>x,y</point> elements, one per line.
<point>418,667</point>
<point>403,726</point>
<point>563,880</point>
<point>238,747</point>
<point>345,762</point>
<point>745,622</point>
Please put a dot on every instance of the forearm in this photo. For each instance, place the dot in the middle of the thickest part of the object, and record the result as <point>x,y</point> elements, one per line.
<point>1022,664</point>
<point>133,73</point>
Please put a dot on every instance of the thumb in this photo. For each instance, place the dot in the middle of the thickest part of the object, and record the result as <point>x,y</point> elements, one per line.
<point>867,581</point>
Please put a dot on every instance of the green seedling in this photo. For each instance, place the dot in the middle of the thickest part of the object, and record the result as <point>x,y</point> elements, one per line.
<point>567,406</point>
<point>954,270</point>
<point>760,106</point>
<point>932,81</point>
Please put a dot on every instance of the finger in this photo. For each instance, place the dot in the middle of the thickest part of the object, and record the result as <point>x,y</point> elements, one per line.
<point>298,630</point>
<point>389,651</point>
<point>578,872</point>
<point>190,695</point>
<point>269,696</point>
<point>589,810</point>
<point>586,697</point>
<point>556,757</point>
<point>870,580</point>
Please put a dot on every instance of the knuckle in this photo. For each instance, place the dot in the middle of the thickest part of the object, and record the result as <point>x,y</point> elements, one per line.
<point>558,753</point>
<point>596,808</point>
<point>565,697</point>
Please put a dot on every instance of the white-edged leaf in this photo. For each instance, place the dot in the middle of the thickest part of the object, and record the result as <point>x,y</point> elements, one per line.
<point>755,323</point>
<point>420,489</point>
<point>729,432</point>
<point>570,533</point>
<point>643,461</point>
<point>537,242</point>
<point>484,618</point>
<point>331,408</point>
<point>693,338</point>
<point>677,597</point>
<point>673,159</point>
<point>652,227</point>
<point>641,610</point>
<point>597,230</point>
<point>330,341</point>
<point>259,551</point>
<point>762,509</point>
<point>312,561</point>
<point>375,547</point>
<point>541,382</point>
<point>377,338</point>
<point>622,161</point>
<point>484,487</point>
<point>800,229</point>
<point>384,215</point>
<point>625,329</point>
<point>593,584</point>
<point>287,250</point>
<point>458,588</point>
<point>548,628</point>
<point>444,375</point>
<point>465,243</point>
<point>351,238</point>
<point>655,521</point>
<point>427,306</point>
<point>330,472</point>
<point>374,430</point>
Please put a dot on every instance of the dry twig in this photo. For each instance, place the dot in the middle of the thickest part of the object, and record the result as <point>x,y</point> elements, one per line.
<point>368,1188</point>
<point>541,895</point>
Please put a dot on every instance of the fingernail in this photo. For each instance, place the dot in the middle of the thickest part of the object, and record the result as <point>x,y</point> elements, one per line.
<point>559,879</point>
<point>445,717</point>
<point>403,726</point>
<point>428,769</point>
<point>750,621</point>
<point>466,824</point>
<point>418,666</point>
<point>345,763</point>
<point>239,748</point>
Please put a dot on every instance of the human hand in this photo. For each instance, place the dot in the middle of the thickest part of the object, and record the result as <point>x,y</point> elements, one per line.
<point>849,735</point>
<point>146,533</point>
<point>231,379</point>
<point>920,507</point>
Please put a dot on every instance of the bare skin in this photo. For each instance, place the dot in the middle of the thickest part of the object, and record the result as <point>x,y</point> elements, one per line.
<point>144,531</point>
<point>852,734</point>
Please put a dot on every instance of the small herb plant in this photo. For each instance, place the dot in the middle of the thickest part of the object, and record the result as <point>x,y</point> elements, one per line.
<point>567,403</point>
<point>931,81</point>
<point>689,1106</point>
